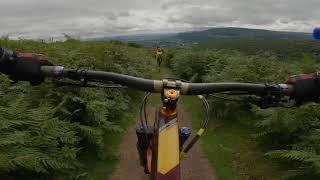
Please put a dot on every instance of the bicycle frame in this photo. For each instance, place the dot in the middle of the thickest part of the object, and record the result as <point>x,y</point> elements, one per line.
<point>163,154</point>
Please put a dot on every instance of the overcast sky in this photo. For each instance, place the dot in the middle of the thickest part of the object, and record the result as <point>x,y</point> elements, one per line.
<point>92,18</point>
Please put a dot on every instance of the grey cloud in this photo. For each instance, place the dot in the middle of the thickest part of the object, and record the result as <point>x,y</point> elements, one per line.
<point>124,14</point>
<point>248,13</point>
<point>111,16</point>
<point>203,15</point>
<point>43,18</point>
<point>170,3</point>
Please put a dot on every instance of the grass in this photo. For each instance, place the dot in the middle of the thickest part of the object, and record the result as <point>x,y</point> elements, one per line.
<point>230,148</point>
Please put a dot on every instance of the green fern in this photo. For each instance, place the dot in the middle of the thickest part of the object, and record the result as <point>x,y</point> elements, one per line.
<point>303,156</point>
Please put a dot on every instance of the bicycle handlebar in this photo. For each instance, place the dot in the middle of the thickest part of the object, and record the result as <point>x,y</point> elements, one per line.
<point>156,86</point>
<point>251,88</point>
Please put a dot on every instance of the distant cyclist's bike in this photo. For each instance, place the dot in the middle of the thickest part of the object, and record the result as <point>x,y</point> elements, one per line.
<point>161,146</point>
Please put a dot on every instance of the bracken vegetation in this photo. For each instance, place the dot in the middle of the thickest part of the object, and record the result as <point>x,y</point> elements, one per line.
<point>50,133</point>
<point>288,136</point>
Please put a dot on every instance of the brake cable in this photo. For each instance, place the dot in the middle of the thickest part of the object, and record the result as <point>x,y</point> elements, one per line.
<point>200,132</point>
<point>143,115</point>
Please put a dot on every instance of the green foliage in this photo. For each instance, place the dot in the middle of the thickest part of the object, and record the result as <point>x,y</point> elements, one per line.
<point>47,132</point>
<point>296,133</point>
<point>308,162</point>
<point>309,64</point>
<point>187,63</point>
<point>292,50</point>
<point>135,45</point>
<point>291,134</point>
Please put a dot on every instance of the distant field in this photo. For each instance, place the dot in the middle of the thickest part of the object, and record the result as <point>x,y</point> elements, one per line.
<point>283,49</point>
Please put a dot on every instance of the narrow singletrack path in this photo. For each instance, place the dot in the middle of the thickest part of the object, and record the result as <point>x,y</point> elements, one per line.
<point>195,166</point>
<point>129,165</point>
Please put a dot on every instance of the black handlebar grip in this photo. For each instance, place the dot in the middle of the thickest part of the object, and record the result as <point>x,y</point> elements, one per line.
<point>306,87</point>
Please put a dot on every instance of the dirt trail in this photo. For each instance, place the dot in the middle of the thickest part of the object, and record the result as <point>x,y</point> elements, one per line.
<point>194,167</point>
<point>129,165</point>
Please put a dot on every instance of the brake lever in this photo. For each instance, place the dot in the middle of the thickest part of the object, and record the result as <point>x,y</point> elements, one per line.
<point>271,101</point>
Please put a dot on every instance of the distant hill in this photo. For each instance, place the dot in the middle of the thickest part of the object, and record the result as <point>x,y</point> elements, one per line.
<point>213,34</point>
<point>241,33</point>
<point>286,45</point>
<point>147,40</point>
